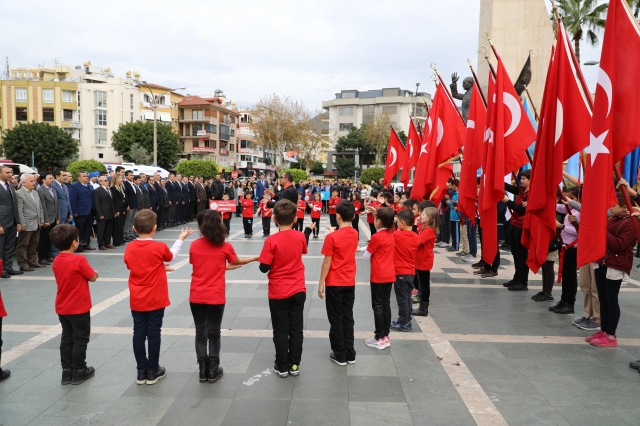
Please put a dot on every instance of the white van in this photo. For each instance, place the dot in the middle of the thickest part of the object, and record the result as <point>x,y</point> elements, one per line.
<point>17,168</point>
<point>138,168</point>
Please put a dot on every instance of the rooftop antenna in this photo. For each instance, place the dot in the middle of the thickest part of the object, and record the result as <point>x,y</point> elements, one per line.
<point>7,70</point>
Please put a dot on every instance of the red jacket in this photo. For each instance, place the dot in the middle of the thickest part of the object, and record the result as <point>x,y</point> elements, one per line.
<point>621,239</point>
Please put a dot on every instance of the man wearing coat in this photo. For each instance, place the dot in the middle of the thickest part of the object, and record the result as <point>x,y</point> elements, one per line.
<point>201,195</point>
<point>31,219</point>
<point>132,199</point>
<point>173,197</point>
<point>64,208</point>
<point>193,196</point>
<point>105,213</point>
<point>185,199</point>
<point>49,202</point>
<point>9,222</point>
<point>261,186</point>
<point>146,203</point>
<point>81,200</point>
<point>161,205</point>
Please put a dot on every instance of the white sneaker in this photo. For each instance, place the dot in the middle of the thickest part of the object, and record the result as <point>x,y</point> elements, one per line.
<point>387,342</point>
<point>470,259</point>
<point>373,343</point>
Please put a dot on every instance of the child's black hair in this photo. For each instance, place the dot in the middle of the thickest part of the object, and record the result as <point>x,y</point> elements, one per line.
<point>346,210</point>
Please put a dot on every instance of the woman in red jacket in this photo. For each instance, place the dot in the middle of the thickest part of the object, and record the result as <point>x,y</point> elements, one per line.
<point>614,267</point>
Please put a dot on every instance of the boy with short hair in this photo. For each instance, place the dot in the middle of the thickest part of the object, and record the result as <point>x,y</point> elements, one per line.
<point>338,273</point>
<point>73,304</point>
<point>226,216</point>
<point>281,258</point>
<point>380,251</point>
<point>333,202</point>
<point>406,246</point>
<point>370,208</point>
<point>266,213</point>
<point>149,292</point>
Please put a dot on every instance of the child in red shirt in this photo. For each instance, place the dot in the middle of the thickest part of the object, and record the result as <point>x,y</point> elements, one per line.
<point>339,274</point>
<point>302,205</point>
<point>316,211</point>
<point>357,207</point>
<point>4,374</point>
<point>406,246</point>
<point>247,214</point>
<point>281,257</point>
<point>371,211</point>
<point>226,216</point>
<point>149,292</point>
<point>266,213</point>
<point>428,228</point>
<point>210,256</point>
<point>73,303</point>
<point>380,252</point>
<point>333,202</point>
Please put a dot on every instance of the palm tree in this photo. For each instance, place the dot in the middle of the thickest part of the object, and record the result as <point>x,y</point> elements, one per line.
<point>582,17</point>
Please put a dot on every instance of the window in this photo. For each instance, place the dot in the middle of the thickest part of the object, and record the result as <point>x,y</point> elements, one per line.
<point>244,144</point>
<point>100,117</point>
<point>346,95</point>
<point>187,129</point>
<point>345,127</point>
<point>131,118</point>
<point>21,114</point>
<point>346,111</point>
<point>368,114</point>
<point>100,155</point>
<point>47,114</point>
<point>197,128</point>
<point>21,95</point>
<point>99,99</point>
<point>232,133</point>
<point>245,118</point>
<point>67,115</point>
<point>210,128</point>
<point>197,114</point>
<point>101,136</point>
<point>131,102</point>
<point>224,132</point>
<point>389,110</point>
<point>78,98</point>
<point>231,147</point>
<point>67,96</point>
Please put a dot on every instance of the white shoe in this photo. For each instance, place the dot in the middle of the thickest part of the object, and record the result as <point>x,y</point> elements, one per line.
<point>377,344</point>
<point>445,245</point>
<point>470,259</point>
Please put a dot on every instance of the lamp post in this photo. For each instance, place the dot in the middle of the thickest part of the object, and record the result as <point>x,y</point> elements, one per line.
<point>155,99</point>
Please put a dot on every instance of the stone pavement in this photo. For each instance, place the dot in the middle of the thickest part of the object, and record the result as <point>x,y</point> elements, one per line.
<point>486,356</point>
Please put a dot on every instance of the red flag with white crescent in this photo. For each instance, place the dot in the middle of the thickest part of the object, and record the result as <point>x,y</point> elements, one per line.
<point>395,156</point>
<point>419,188</point>
<point>412,153</point>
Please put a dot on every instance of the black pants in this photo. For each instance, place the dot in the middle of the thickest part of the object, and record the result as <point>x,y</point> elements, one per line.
<point>548,277</point>
<point>84,223</point>
<point>118,230</point>
<point>207,319</point>
<point>266,225</point>
<point>176,212</point>
<point>191,209</point>
<point>608,291</point>
<point>44,245</point>
<point>333,221</point>
<point>520,254</point>
<point>146,327</point>
<point>75,337</point>
<point>159,219</point>
<point>356,224</point>
<point>169,214</point>
<point>299,225</point>
<point>403,288</point>
<point>339,304</point>
<point>381,304</point>
<point>287,320</point>
<point>227,224</point>
<point>424,278</point>
<point>316,230</point>
<point>248,225</point>
<point>446,227</point>
<point>105,229</point>
<point>570,276</point>
<point>8,246</point>
<point>372,228</point>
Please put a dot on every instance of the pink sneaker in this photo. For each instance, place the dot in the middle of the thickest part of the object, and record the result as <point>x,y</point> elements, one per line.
<point>594,336</point>
<point>373,343</point>
<point>387,342</point>
<point>605,341</point>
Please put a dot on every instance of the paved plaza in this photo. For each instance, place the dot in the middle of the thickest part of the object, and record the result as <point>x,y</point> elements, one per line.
<point>485,355</point>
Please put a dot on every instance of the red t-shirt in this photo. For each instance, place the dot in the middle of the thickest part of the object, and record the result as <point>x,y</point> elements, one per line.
<point>370,216</point>
<point>266,211</point>
<point>357,206</point>
<point>382,246</point>
<point>209,267</point>
<point>148,285</point>
<point>3,313</point>
<point>72,273</point>
<point>341,245</point>
<point>424,254</point>
<point>226,215</point>
<point>283,252</point>
<point>301,206</point>
<point>247,208</point>
<point>407,243</point>
<point>316,211</point>
<point>333,202</point>
<point>398,207</point>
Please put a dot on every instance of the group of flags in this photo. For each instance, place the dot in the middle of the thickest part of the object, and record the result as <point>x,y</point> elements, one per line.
<point>498,133</point>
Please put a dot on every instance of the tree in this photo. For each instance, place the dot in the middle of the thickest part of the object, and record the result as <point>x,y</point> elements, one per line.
<point>51,146</point>
<point>635,5</point>
<point>297,174</point>
<point>313,138</point>
<point>205,168</point>
<point>85,166</point>
<point>316,168</point>
<point>376,135</point>
<point>141,133</point>
<point>354,141</point>
<point>139,155</point>
<point>372,174</point>
<point>580,17</point>
<point>346,167</point>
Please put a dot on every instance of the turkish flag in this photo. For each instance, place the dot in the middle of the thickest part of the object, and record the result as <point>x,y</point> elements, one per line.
<point>395,157</point>
<point>563,131</point>
<point>419,188</point>
<point>472,157</point>
<point>444,173</point>
<point>412,153</point>
<point>509,133</point>
<point>614,128</point>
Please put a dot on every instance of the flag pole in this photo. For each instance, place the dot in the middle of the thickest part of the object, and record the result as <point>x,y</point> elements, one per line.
<point>433,66</point>
<point>475,79</point>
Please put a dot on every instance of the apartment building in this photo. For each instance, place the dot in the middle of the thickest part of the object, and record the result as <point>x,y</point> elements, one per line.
<point>168,111</point>
<point>253,159</point>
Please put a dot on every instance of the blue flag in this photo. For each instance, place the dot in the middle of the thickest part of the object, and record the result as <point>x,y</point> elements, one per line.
<point>529,110</point>
<point>630,171</point>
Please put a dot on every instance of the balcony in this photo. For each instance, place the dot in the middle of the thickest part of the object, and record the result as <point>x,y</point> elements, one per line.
<point>203,150</point>
<point>74,124</point>
<point>191,119</point>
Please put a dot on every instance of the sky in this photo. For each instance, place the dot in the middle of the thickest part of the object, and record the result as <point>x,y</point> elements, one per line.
<point>308,50</point>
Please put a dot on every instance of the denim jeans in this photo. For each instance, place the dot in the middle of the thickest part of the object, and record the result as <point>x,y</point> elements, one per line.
<point>471,233</point>
<point>146,327</point>
<point>403,288</point>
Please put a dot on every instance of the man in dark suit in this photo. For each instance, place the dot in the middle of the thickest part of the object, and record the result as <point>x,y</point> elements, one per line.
<point>192,197</point>
<point>217,188</point>
<point>9,222</point>
<point>139,193</point>
<point>158,191</point>
<point>261,186</point>
<point>177,199</point>
<point>62,191</point>
<point>201,194</point>
<point>105,213</point>
<point>132,200</point>
<point>81,200</point>
<point>150,184</point>
<point>166,211</point>
<point>49,202</point>
<point>185,199</point>
<point>146,204</point>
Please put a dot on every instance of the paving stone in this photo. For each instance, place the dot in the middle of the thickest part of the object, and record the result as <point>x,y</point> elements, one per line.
<point>379,413</point>
<point>375,389</point>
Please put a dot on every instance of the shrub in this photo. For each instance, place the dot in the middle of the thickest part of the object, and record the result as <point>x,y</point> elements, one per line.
<point>298,174</point>
<point>372,173</point>
<point>205,168</point>
<point>85,165</point>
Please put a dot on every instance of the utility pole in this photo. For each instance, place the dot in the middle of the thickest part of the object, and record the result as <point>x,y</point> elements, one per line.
<point>154,102</point>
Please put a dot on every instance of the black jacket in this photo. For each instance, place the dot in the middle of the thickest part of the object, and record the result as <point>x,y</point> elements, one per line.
<point>185,192</point>
<point>153,195</point>
<point>192,191</point>
<point>131,195</point>
<point>146,203</point>
<point>103,203</point>
<point>119,200</point>
<point>290,193</point>
<point>217,189</point>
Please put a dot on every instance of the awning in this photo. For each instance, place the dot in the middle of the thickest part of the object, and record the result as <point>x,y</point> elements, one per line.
<point>164,117</point>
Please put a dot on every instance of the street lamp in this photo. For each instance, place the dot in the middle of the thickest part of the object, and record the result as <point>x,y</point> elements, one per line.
<point>155,99</point>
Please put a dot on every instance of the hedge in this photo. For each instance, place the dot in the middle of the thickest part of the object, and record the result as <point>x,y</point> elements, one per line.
<point>205,168</point>
<point>298,174</point>
<point>85,165</point>
<point>372,173</point>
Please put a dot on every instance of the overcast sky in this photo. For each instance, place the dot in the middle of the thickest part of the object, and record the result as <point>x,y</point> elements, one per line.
<point>308,50</point>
